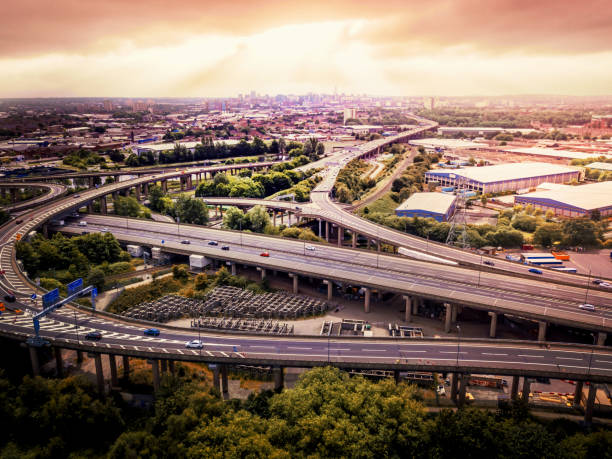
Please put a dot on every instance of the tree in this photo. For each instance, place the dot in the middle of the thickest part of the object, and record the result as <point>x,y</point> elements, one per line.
<point>258,219</point>
<point>155,198</point>
<point>191,210</point>
<point>524,223</point>
<point>547,234</point>
<point>97,278</point>
<point>234,218</point>
<point>126,206</point>
<point>580,232</point>
<point>116,156</point>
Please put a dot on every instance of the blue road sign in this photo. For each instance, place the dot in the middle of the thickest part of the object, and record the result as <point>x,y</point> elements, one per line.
<point>163,241</point>
<point>75,286</point>
<point>33,296</point>
<point>94,292</point>
<point>36,326</point>
<point>50,297</point>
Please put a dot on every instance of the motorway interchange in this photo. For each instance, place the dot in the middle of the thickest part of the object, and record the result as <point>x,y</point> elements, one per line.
<point>497,290</point>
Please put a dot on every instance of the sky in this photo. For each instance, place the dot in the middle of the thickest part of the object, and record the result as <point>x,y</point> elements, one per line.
<point>202,48</point>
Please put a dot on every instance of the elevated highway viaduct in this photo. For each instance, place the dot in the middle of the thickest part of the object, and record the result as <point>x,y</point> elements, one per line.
<point>51,191</point>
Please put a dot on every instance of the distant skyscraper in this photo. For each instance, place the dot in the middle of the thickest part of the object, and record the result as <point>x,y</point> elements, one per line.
<point>349,113</point>
<point>108,105</point>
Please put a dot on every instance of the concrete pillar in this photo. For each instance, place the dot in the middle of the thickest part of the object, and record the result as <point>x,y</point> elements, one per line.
<point>330,289</point>
<point>99,372</point>
<point>282,215</point>
<point>463,380</point>
<point>353,239</point>
<point>45,230</point>
<point>327,231</point>
<point>367,299</point>
<point>171,366</point>
<point>454,386</point>
<point>103,207</point>
<point>368,243</point>
<point>155,368</point>
<point>164,366</point>
<point>514,387</point>
<point>340,235</point>
<point>408,311</point>
<point>126,367</point>
<point>378,246</point>
<point>263,273</point>
<point>113,370</point>
<point>454,313</point>
<point>415,305</point>
<point>79,356</point>
<point>295,282</point>
<point>288,218</point>
<point>578,394</point>
<point>34,360</point>
<point>590,404</point>
<point>145,189</point>
<point>541,331</point>
<point>396,376</point>
<point>319,221</point>
<point>601,338</point>
<point>526,389</point>
<point>447,318</point>
<point>274,218</point>
<point>13,195</point>
<point>233,267</point>
<point>216,382</point>
<point>493,327</point>
<point>91,182</point>
<point>59,363</point>
<point>90,207</point>
<point>278,378</point>
<point>224,382</point>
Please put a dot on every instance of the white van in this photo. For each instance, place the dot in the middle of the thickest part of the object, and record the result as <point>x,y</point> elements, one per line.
<point>83,223</point>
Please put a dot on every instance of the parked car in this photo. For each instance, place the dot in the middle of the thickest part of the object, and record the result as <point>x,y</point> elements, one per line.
<point>186,241</point>
<point>213,243</point>
<point>194,344</point>
<point>535,271</point>
<point>151,332</point>
<point>587,307</point>
<point>225,247</point>
<point>264,254</point>
<point>93,336</point>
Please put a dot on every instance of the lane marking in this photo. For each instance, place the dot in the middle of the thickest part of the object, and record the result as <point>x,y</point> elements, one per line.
<point>299,348</point>
<point>536,356</point>
<point>491,353</point>
<point>568,358</point>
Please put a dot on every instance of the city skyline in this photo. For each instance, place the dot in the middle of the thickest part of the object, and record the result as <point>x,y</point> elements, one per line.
<point>439,48</point>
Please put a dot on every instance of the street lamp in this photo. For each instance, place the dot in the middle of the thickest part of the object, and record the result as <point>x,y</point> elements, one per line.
<point>178,225</point>
<point>586,294</point>
<point>479,269</point>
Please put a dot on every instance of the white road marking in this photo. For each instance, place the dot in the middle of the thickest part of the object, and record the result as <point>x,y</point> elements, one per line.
<point>491,353</point>
<point>301,348</point>
<point>567,358</point>
<point>527,355</point>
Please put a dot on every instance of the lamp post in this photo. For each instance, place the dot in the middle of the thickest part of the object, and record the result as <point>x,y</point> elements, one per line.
<point>586,294</point>
<point>458,344</point>
<point>479,269</point>
<point>178,225</point>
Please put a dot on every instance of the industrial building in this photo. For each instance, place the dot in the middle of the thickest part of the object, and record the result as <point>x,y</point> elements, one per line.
<point>504,177</point>
<point>554,153</point>
<point>572,201</point>
<point>600,166</point>
<point>434,144</point>
<point>439,206</point>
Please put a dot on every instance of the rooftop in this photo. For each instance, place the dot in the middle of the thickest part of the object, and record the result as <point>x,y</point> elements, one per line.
<point>447,143</point>
<point>600,166</point>
<point>503,172</point>
<point>587,197</point>
<point>555,153</point>
<point>432,202</point>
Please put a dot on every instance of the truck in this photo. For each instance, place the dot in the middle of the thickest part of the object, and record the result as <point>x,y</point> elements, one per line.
<point>134,250</point>
<point>198,262</point>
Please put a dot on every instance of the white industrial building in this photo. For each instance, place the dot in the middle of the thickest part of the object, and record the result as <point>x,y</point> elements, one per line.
<point>439,206</point>
<point>504,177</point>
<point>572,201</point>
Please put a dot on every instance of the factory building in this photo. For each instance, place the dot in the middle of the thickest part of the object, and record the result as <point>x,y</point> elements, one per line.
<point>504,177</point>
<point>572,201</point>
<point>439,206</point>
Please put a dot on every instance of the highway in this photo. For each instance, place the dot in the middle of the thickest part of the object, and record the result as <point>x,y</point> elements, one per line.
<point>473,356</point>
<point>52,191</point>
<point>494,291</point>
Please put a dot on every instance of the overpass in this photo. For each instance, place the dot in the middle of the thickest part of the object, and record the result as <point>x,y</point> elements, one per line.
<point>51,192</point>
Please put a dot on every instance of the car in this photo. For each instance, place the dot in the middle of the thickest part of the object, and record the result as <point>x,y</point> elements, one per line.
<point>104,230</point>
<point>9,298</point>
<point>76,195</point>
<point>17,222</point>
<point>535,271</point>
<point>84,232</point>
<point>310,247</point>
<point>213,243</point>
<point>194,344</point>
<point>264,254</point>
<point>151,332</point>
<point>587,307</point>
<point>83,223</point>
<point>94,336</point>
<point>597,281</point>
<point>186,241</point>
<point>606,285</point>
<point>225,247</point>
<point>490,263</point>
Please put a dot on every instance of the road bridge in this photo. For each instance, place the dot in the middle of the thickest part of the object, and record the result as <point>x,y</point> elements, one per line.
<point>51,192</point>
